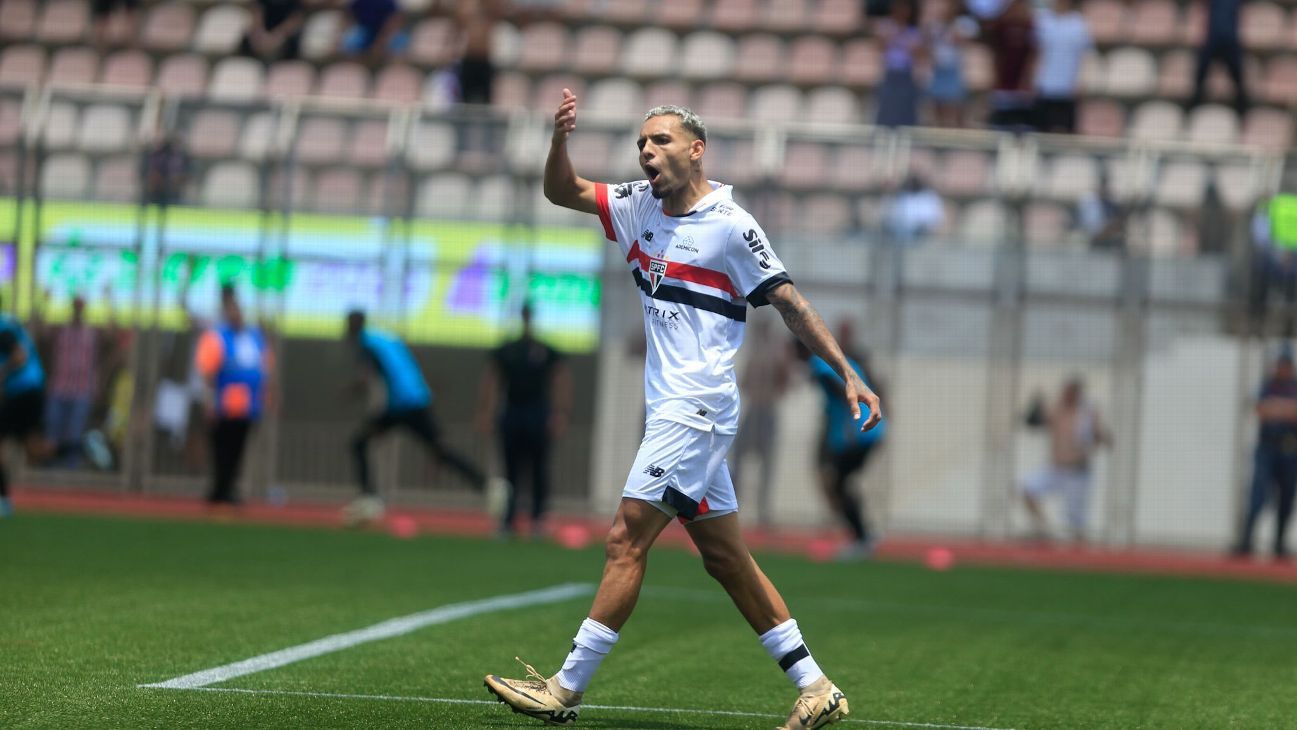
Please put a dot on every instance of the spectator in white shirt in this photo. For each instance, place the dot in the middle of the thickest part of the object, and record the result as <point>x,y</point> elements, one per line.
<point>1063,39</point>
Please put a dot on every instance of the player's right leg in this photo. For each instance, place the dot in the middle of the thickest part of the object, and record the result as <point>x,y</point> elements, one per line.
<point>368,507</point>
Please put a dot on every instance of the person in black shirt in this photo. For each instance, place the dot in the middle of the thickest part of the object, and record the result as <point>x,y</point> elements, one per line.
<point>537,399</point>
<point>1222,44</point>
<point>1275,463</point>
<point>274,30</point>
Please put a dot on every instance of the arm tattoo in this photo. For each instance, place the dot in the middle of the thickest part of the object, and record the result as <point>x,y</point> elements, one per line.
<point>804,322</point>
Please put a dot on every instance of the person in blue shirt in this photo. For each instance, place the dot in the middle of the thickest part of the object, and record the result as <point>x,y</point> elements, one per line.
<point>408,406</point>
<point>844,450</point>
<point>22,399</point>
<point>1274,470</point>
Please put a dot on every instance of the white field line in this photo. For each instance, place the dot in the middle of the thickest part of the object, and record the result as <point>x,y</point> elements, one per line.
<point>617,708</point>
<point>385,630</point>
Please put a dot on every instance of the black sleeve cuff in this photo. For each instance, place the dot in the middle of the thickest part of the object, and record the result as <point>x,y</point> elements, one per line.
<point>758,296</point>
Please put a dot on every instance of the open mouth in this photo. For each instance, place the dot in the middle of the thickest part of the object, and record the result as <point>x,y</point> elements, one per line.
<point>652,173</point>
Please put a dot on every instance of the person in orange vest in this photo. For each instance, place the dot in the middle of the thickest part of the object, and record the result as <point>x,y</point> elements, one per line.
<point>236,364</point>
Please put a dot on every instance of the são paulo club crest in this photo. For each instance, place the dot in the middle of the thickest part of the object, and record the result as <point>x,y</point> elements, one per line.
<point>656,270</point>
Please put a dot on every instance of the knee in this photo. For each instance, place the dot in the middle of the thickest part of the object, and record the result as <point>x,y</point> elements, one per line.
<point>621,549</point>
<point>724,566</point>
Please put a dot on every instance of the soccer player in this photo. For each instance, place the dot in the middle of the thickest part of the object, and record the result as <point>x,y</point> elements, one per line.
<point>409,406</point>
<point>22,399</point>
<point>695,256</point>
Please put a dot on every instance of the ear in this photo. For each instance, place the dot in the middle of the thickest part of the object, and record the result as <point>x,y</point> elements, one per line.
<point>696,150</point>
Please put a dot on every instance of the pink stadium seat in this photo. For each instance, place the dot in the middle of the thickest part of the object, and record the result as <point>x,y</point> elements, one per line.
<point>760,58</point>
<point>707,55</point>
<point>399,83</point>
<point>833,105</point>
<point>678,14</point>
<point>667,92</point>
<point>432,43</point>
<point>106,128</point>
<point>446,195</point>
<point>183,75</point>
<point>1156,120</point>
<point>21,65</point>
<point>1194,24</point>
<point>548,92</point>
<point>1268,128</point>
<point>776,103</point>
<point>320,140</point>
<point>65,177</point>
<point>1280,85</point>
<point>1068,177</point>
<point>1214,124</point>
<point>1153,23</point>
<point>1101,118</point>
<point>862,64</point>
<point>1175,75</point>
<point>1045,224</point>
<point>983,222</point>
<point>1263,25</point>
<point>257,136</point>
<point>132,69</point>
<point>10,120</point>
<point>493,196</point>
<point>1180,184</point>
<point>837,17</point>
<point>544,48</point>
<point>513,91</point>
<point>722,100</point>
<point>344,79</point>
<point>649,53</point>
<point>805,167</point>
<point>432,147</point>
<point>231,185</point>
<point>786,16</point>
<point>368,146</point>
<point>592,153</point>
<point>59,128</point>
<point>220,29</point>
<point>73,65</point>
<point>1107,20</point>
<point>289,78</point>
<point>1131,72</point>
<point>236,79</point>
<point>825,214</point>
<point>1238,185</point>
<point>851,168</point>
<point>168,27</point>
<point>597,49</point>
<point>614,97</point>
<point>963,174</point>
<point>17,19</point>
<point>733,162</point>
<point>117,179</point>
<point>322,28</point>
<point>337,190</point>
<point>812,60</point>
<point>734,16</point>
<point>213,134</point>
<point>64,21</point>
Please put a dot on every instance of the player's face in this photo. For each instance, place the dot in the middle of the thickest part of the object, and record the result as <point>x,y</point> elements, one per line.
<point>666,152</point>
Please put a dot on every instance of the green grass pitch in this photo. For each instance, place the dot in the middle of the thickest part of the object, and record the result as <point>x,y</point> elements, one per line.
<point>93,608</point>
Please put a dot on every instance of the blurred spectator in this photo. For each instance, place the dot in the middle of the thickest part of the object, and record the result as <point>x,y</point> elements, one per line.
<point>947,37</point>
<point>477,19</point>
<point>80,354</point>
<point>1075,432</point>
<point>1274,251</point>
<point>1063,39</point>
<point>1011,37</point>
<point>376,29</point>
<point>101,15</point>
<point>1102,218</point>
<point>274,30</point>
<point>537,385</point>
<point>915,212</point>
<point>166,171</point>
<point>1221,43</point>
<point>237,365</point>
<point>762,385</point>
<point>1215,222</point>
<point>22,399</point>
<point>1274,466</point>
<point>903,46</point>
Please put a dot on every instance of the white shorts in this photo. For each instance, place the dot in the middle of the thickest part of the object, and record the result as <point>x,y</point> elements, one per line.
<point>681,470</point>
<point>1074,484</point>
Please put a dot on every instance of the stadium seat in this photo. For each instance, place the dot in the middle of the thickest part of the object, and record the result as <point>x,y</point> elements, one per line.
<point>1045,224</point>
<point>1175,75</point>
<point>861,64</point>
<point>133,69</point>
<point>168,27</point>
<point>22,65</point>
<point>614,97</point>
<point>1153,23</point>
<point>826,215</point>
<point>117,179</point>
<point>221,29</point>
<point>231,185</point>
<point>544,48</point>
<point>832,105</point>
<point>1070,176</point>
<point>963,174</point>
<point>1101,118</point>
<point>236,79</point>
<point>837,17</point>
<point>1156,120</point>
<point>812,60</point>
<point>785,16</point>
<point>548,92</point>
<point>1264,25</point>
<point>707,55</point>
<point>256,136</point>
<point>337,190</point>
<point>666,92</point>
<point>590,153</point>
<point>65,177</point>
<point>678,14</point>
<point>368,147</point>
<point>722,100</point>
<point>11,122</point>
<point>1180,184</point>
<point>73,65</point>
<point>322,28</point>
<point>1131,72</point>
<point>805,165</point>
<point>399,83</point>
<point>512,91</point>
<point>289,78</point>
<point>345,79</point>
<point>1280,85</point>
<point>59,128</point>
<point>213,134</point>
<point>1107,20</point>
<point>777,103</point>
<point>983,222</point>
<point>760,58</point>
<point>506,46</point>
<point>597,49</point>
<point>1213,123</point>
<point>1238,184</point>
<point>732,161</point>
<point>1164,234</point>
<point>320,140</point>
<point>64,21</point>
<point>494,197</point>
<point>432,147</point>
<point>649,53</point>
<point>446,196</point>
<point>18,19</point>
<point>851,168</point>
<point>1092,79</point>
<point>734,16</point>
<point>1268,128</point>
<point>183,75</point>
<point>105,128</point>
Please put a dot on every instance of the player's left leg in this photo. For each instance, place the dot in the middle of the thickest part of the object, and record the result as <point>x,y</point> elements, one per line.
<point>1076,496</point>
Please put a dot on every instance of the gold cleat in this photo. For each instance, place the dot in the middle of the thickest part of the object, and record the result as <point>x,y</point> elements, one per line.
<point>536,696</point>
<point>820,704</point>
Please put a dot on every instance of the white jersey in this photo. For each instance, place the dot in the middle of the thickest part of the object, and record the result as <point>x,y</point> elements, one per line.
<point>694,273</point>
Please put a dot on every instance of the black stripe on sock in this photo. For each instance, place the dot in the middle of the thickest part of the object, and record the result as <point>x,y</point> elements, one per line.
<point>794,656</point>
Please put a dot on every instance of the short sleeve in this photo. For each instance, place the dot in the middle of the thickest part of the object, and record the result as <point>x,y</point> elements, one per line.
<point>617,205</point>
<point>752,264</point>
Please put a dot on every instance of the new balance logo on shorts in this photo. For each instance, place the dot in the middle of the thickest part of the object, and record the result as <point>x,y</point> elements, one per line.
<point>655,471</point>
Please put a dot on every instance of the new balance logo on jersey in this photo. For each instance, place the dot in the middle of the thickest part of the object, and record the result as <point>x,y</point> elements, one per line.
<point>655,471</point>
<point>657,269</point>
<point>647,236</point>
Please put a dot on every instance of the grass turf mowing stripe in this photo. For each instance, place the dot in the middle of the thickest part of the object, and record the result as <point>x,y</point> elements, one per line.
<point>385,630</point>
<point>614,708</point>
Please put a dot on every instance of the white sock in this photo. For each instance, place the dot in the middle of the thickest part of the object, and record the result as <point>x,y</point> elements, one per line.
<point>784,644</point>
<point>592,643</point>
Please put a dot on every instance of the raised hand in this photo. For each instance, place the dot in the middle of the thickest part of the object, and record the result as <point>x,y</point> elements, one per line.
<point>565,117</point>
